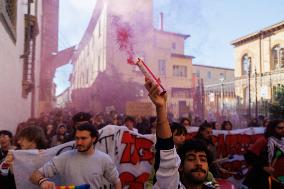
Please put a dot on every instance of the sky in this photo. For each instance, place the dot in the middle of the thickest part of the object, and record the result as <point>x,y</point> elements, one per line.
<point>212,25</point>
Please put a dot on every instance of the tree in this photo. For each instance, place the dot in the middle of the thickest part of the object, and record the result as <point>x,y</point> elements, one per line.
<point>276,109</point>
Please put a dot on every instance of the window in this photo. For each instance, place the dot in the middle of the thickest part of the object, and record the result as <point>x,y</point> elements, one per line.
<point>99,29</point>
<point>209,75</point>
<point>282,57</point>
<point>88,51</point>
<point>174,45</point>
<point>180,71</point>
<point>222,75</point>
<point>81,80</point>
<point>181,92</point>
<point>277,57</point>
<point>87,76</point>
<point>93,69</point>
<point>197,73</point>
<point>99,63</point>
<point>246,64</point>
<point>162,67</point>
<point>8,13</point>
<point>93,42</point>
<point>274,55</point>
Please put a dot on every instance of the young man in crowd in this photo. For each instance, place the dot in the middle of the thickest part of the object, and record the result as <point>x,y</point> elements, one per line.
<point>130,123</point>
<point>84,165</point>
<point>30,137</point>
<point>189,171</point>
<point>204,134</point>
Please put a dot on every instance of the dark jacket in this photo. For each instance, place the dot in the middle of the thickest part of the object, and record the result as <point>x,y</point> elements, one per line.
<point>6,182</point>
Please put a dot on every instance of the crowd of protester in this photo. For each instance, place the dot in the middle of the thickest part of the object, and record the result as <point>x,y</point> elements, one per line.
<point>58,127</point>
<point>58,124</point>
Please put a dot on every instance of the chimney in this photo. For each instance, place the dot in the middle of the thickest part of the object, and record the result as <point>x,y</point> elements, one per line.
<point>162,21</point>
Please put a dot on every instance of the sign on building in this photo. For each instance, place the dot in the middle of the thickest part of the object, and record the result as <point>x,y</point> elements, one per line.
<point>135,108</point>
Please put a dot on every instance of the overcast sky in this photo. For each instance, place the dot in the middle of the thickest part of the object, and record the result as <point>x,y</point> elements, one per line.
<point>212,24</point>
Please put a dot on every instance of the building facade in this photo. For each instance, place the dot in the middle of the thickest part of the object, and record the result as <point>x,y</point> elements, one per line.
<point>20,40</point>
<point>63,99</point>
<point>117,32</point>
<point>259,68</point>
<point>28,31</point>
<point>219,92</point>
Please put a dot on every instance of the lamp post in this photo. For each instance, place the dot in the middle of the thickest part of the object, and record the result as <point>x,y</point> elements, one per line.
<point>256,103</point>
<point>222,94</point>
<point>249,97</point>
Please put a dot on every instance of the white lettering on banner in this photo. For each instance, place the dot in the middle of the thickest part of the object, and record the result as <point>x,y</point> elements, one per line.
<point>129,150</point>
<point>132,154</point>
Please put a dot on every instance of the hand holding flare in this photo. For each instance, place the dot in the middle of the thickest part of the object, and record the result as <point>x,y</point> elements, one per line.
<point>149,74</point>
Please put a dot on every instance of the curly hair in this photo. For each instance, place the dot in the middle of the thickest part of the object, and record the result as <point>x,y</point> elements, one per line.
<point>194,145</point>
<point>270,129</point>
<point>34,134</point>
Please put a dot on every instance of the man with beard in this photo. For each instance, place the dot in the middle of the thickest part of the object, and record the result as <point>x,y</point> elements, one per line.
<point>194,165</point>
<point>189,169</point>
<point>84,165</point>
<point>204,135</point>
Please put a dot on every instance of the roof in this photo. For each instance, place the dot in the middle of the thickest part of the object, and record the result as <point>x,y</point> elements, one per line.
<point>185,36</point>
<point>215,67</point>
<point>182,56</point>
<point>262,33</point>
<point>64,92</point>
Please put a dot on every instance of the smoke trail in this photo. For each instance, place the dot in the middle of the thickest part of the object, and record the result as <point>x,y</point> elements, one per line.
<point>124,37</point>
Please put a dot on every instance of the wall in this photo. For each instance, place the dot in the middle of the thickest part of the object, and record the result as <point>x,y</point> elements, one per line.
<point>14,108</point>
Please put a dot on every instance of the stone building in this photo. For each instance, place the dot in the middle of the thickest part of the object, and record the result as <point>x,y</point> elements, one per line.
<point>259,68</point>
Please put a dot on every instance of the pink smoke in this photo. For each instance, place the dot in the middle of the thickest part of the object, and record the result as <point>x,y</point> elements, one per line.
<point>124,38</point>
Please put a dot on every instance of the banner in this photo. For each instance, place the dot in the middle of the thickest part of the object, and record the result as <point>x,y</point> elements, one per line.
<point>231,145</point>
<point>133,154</point>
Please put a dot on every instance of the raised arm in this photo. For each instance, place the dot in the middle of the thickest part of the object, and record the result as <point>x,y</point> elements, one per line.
<point>166,159</point>
<point>160,102</point>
